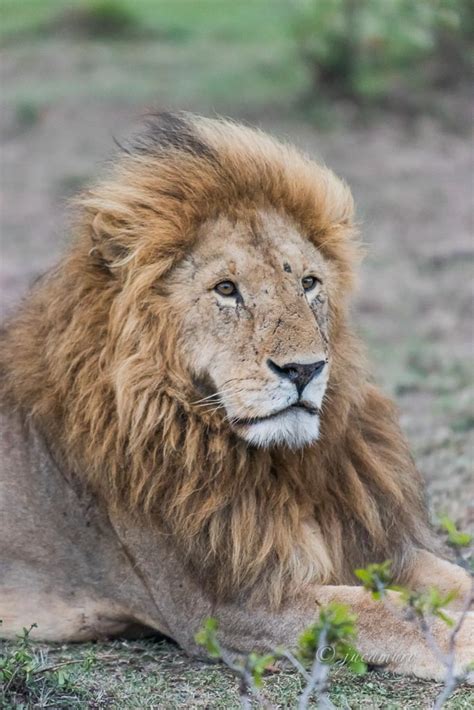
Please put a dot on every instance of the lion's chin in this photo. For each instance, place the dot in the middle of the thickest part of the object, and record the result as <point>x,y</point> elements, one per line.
<point>293,428</point>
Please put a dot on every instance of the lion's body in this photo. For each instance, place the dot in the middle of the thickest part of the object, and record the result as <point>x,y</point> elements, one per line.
<point>64,566</point>
<point>127,504</point>
<point>82,574</point>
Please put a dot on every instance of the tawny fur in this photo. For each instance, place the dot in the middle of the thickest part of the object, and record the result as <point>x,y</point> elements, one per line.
<point>125,504</point>
<point>90,358</point>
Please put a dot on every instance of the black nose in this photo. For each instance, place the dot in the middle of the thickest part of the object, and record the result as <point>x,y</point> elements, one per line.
<point>297,372</point>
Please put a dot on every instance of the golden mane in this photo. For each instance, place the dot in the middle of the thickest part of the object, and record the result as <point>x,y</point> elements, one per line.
<point>89,358</point>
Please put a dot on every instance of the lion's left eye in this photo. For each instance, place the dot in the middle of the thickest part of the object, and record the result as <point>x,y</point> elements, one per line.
<point>309,282</point>
<point>226,288</point>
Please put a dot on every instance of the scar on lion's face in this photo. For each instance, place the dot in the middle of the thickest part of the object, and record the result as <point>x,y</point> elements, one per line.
<point>255,297</point>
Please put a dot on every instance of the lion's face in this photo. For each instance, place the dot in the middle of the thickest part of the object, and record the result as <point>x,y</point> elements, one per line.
<point>252,298</point>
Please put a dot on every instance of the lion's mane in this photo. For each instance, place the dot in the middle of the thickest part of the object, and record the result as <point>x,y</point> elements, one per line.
<point>89,359</point>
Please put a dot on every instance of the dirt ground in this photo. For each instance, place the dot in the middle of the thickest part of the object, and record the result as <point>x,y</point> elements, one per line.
<point>413,188</point>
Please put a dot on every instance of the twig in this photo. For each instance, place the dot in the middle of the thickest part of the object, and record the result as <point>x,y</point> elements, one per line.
<point>318,676</point>
<point>451,681</point>
<point>447,660</point>
<point>72,661</point>
<point>296,664</point>
<point>246,686</point>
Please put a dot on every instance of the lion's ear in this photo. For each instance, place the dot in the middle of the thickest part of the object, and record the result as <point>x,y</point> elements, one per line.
<point>107,243</point>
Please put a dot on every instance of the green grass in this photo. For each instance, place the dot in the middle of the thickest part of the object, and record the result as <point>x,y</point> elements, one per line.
<point>254,20</point>
<point>146,674</point>
<point>199,53</point>
<point>169,55</point>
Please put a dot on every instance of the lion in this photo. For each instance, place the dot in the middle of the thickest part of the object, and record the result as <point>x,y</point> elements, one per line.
<point>189,426</point>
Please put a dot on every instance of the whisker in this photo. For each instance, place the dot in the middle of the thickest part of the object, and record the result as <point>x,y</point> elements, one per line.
<point>204,400</point>
<point>230,398</point>
<point>241,379</point>
<point>214,395</point>
<point>229,394</point>
<point>213,410</point>
<point>208,405</point>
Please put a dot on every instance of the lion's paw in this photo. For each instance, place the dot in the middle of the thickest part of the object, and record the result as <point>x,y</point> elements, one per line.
<point>424,662</point>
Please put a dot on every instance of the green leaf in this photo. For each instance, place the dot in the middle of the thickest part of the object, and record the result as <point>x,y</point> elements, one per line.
<point>206,637</point>
<point>364,575</point>
<point>337,623</point>
<point>62,678</point>
<point>447,619</point>
<point>376,578</point>
<point>429,602</point>
<point>257,666</point>
<point>456,538</point>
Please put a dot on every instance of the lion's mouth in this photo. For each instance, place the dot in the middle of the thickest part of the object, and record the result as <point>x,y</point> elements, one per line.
<point>305,406</point>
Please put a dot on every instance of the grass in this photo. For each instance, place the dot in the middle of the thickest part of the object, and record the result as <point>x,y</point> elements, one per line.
<point>248,74</point>
<point>155,674</point>
<point>168,54</point>
<point>175,20</point>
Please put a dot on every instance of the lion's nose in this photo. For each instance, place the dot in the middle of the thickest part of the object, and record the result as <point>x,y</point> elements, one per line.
<point>297,372</point>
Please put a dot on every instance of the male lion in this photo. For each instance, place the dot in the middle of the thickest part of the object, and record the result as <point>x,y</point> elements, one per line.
<point>189,429</point>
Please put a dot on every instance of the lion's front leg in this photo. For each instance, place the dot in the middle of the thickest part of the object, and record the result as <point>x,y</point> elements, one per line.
<point>428,571</point>
<point>385,638</point>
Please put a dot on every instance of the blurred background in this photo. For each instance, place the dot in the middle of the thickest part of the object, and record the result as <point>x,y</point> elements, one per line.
<point>376,88</point>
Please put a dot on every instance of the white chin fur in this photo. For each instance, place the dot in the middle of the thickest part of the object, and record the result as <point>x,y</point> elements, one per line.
<point>294,429</point>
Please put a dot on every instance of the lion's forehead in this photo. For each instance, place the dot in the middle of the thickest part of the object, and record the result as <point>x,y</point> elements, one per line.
<point>263,243</point>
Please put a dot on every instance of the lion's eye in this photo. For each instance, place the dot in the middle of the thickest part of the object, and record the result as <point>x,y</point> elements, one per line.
<point>226,288</point>
<point>309,282</point>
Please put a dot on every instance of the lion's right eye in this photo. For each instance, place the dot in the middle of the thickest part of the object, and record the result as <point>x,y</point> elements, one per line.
<point>309,282</point>
<point>226,288</point>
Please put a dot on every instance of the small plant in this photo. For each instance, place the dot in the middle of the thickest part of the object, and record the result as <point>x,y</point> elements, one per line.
<point>26,679</point>
<point>250,671</point>
<point>18,666</point>
<point>376,578</point>
<point>329,640</point>
<point>455,538</point>
<point>422,607</point>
